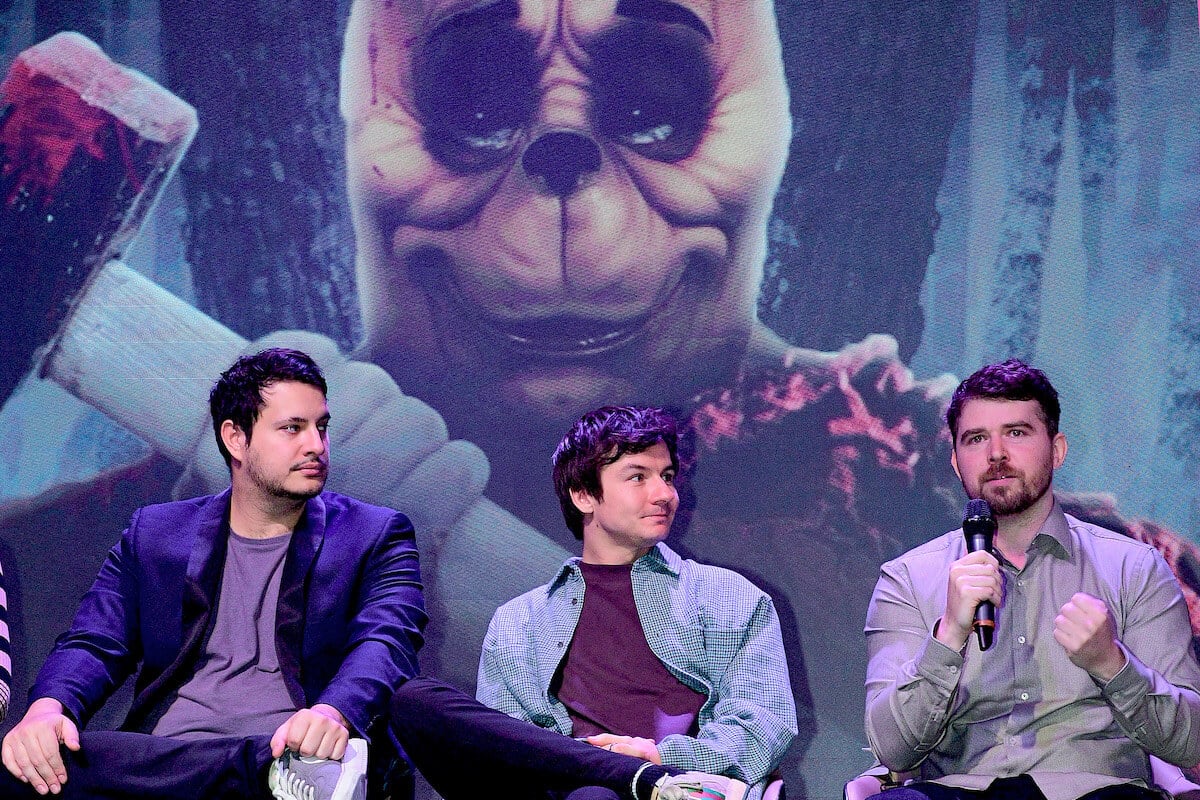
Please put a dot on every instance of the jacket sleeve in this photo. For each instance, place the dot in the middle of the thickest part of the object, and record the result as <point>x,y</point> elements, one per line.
<point>385,630</point>
<point>912,678</point>
<point>754,719</point>
<point>103,645</point>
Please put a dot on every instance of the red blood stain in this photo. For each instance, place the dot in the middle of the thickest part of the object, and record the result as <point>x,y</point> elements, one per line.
<point>45,125</point>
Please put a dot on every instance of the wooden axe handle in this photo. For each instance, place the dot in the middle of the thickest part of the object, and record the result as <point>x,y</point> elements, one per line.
<point>143,357</point>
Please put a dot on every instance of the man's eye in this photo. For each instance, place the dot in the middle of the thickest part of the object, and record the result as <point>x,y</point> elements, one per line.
<point>475,86</point>
<point>1016,432</point>
<point>669,477</point>
<point>652,88</point>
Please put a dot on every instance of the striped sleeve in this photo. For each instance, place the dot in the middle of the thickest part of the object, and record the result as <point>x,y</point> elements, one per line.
<point>5,651</point>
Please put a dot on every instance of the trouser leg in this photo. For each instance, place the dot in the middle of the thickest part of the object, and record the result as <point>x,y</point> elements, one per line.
<point>924,791</point>
<point>1125,791</point>
<point>466,750</point>
<point>595,793</point>
<point>1021,787</point>
<point>117,765</point>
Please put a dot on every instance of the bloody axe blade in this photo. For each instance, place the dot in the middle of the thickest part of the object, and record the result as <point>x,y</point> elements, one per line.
<point>86,147</point>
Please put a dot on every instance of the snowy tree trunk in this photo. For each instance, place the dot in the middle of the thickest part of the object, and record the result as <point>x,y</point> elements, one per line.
<point>269,243</point>
<point>874,96</point>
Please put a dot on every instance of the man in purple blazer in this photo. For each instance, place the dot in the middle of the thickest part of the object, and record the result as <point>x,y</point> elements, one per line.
<point>268,624</point>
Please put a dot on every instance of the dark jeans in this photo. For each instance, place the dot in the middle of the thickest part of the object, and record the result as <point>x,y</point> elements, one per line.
<point>116,765</point>
<point>1021,787</point>
<point>467,750</point>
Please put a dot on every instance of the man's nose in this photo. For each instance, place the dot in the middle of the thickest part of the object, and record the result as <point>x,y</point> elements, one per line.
<point>996,449</point>
<point>315,441</point>
<point>664,493</point>
<point>559,160</point>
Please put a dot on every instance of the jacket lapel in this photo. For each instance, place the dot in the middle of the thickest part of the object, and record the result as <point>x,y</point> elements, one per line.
<point>206,562</point>
<point>201,588</point>
<point>293,592</point>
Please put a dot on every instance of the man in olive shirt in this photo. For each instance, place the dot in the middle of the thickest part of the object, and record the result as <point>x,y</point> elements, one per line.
<point>1091,668</point>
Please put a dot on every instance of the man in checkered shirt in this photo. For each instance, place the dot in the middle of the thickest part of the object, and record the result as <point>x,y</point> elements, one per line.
<point>664,679</point>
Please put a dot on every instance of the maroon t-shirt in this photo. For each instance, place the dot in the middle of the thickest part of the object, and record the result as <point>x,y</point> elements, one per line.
<point>610,680</point>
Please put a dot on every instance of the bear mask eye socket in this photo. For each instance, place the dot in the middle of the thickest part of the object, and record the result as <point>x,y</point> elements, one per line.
<point>652,88</point>
<point>475,87</point>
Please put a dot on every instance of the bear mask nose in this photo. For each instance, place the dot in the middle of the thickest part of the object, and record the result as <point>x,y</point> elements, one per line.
<point>560,159</point>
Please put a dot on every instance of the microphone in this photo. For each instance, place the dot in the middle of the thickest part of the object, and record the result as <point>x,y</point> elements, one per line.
<point>979,529</point>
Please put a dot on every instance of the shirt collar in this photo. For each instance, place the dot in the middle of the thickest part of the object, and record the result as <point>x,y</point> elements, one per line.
<point>660,559</point>
<point>1055,534</point>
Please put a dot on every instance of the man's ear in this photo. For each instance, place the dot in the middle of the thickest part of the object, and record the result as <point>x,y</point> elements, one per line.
<point>234,439</point>
<point>583,501</point>
<point>954,462</point>
<point>1058,446</point>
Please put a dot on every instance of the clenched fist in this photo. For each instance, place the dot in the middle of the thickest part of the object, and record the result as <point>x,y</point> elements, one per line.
<point>1085,630</point>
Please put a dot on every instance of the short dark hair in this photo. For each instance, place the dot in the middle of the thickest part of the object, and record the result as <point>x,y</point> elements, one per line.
<point>237,394</point>
<point>599,438</point>
<point>1010,380</point>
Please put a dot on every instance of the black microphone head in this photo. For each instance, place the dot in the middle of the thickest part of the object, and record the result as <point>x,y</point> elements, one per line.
<point>977,508</point>
<point>979,526</point>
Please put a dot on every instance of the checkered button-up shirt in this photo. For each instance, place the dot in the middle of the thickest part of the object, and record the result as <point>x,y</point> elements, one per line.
<point>713,630</point>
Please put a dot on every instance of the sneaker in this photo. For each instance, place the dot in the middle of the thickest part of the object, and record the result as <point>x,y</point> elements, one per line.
<point>296,777</point>
<point>698,786</point>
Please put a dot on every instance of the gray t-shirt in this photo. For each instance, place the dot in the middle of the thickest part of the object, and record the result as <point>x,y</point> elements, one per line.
<point>238,689</point>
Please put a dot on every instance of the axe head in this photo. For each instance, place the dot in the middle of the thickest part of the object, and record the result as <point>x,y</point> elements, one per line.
<point>86,147</point>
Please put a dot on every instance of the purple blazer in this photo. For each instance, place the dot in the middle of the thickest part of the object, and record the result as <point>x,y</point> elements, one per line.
<point>347,629</point>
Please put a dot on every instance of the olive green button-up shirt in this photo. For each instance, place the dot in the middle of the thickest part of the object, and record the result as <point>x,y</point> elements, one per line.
<point>964,719</point>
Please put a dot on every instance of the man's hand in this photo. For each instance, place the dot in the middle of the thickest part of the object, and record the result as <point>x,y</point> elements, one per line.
<point>31,749</point>
<point>973,578</point>
<point>319,731</point>
<point>1085,630</point>
<point>628,745</point>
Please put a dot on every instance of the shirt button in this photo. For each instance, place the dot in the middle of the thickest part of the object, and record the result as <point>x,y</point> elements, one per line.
<point>574,601</point>
<point>953,668</point>
<point>1021,639</point>
<point>1021,582</point>
<point>560,645</point>
<point>1024,695</point>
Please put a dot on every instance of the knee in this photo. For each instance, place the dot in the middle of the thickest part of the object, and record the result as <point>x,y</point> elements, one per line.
<point>421,701</point>
<point>593,793</point>
<point>412,698</point>
<point>900,793</point>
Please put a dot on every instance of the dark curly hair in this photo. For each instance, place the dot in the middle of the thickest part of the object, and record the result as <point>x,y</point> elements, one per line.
<point>1010,380</point>
<point>237,394</point>
<point>599,438</point>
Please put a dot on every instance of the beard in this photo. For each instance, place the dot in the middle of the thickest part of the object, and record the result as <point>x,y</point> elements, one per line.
<point>275,487</point>
<point>1018,497</point>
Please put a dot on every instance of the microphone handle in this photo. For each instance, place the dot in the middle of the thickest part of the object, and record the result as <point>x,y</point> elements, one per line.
<point>985,624</point>
<point>980,538</point>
